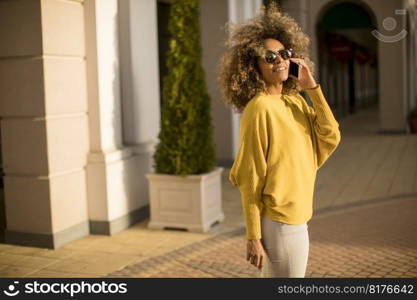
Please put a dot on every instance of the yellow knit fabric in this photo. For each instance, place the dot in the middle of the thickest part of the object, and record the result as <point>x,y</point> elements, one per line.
<point>283,142</point>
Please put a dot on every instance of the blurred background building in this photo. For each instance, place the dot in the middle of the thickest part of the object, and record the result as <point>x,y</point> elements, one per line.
<point>80,98</point>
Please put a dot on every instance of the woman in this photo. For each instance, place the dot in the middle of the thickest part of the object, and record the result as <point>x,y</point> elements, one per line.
<point>283,140</point>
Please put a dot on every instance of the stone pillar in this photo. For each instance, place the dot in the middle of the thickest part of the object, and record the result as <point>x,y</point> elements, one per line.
<point>117,193</point>
<point>238,12</point>
<point>412,56</point>
<point>140,73</point>
<point>392,59</point>
<point>43,111</point>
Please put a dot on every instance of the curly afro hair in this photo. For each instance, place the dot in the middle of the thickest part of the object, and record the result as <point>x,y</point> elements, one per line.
<point>239,77</point>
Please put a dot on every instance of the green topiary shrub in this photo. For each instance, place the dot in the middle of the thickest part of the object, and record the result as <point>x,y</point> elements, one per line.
<point>186,138</point>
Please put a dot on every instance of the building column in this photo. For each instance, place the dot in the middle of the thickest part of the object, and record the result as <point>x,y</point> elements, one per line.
<point>43,121</point>
<point>392,59</point>
<point>116,193</point>
<point>412,56</point>
<point>140,72</point>
<point>240,11</point>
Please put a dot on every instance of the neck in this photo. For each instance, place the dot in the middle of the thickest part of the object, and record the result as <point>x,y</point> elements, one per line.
<point>274,88</point>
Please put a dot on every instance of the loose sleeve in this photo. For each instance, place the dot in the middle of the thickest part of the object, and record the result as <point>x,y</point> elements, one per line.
<point>249,168</point>
<point>326,134</point>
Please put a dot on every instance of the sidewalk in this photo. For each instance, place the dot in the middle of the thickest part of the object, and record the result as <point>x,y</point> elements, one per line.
<point>378,240</point>
<point>363,226</point>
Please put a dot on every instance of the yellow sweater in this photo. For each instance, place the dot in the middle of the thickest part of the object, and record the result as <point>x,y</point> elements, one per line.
<point>283,142</point>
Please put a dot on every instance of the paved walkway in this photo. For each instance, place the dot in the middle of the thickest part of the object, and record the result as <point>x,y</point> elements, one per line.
<point>364,225</point>
<point>369,241</point>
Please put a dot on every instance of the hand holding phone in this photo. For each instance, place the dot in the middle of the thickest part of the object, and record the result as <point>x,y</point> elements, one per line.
<point>299,69</point>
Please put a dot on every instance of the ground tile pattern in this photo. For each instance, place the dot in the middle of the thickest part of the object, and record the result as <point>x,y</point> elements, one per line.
<point>375,240</point>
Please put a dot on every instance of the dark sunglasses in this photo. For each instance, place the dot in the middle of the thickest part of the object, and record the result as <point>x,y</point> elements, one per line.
<point>271,56</point>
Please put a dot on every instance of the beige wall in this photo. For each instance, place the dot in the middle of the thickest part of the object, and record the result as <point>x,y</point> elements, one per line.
<point>43,120</point>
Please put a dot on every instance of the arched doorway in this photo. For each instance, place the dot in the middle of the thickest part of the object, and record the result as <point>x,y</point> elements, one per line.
<point>347,56</point>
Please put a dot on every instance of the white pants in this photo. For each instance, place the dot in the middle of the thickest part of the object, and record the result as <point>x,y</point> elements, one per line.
<point>286,248</point>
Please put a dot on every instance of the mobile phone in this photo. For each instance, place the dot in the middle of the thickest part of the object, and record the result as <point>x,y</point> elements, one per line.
<point>294,69</point>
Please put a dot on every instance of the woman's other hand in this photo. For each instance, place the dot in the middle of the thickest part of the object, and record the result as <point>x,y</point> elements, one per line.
<point>255,253</point>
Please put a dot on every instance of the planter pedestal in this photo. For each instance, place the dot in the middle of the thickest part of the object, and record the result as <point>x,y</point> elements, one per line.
<point>192,202</point>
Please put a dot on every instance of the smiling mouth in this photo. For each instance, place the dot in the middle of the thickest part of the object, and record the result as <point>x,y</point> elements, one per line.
<point>280,69</point>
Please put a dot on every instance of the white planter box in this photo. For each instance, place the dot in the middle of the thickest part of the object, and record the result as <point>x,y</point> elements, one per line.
<point>193,202</point>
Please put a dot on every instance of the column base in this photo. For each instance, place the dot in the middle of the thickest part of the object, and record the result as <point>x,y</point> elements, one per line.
<point>119,224</point>
<point>47,240</point>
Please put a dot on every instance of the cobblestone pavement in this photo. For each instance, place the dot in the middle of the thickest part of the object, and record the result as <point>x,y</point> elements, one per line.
<point>373,240</point>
